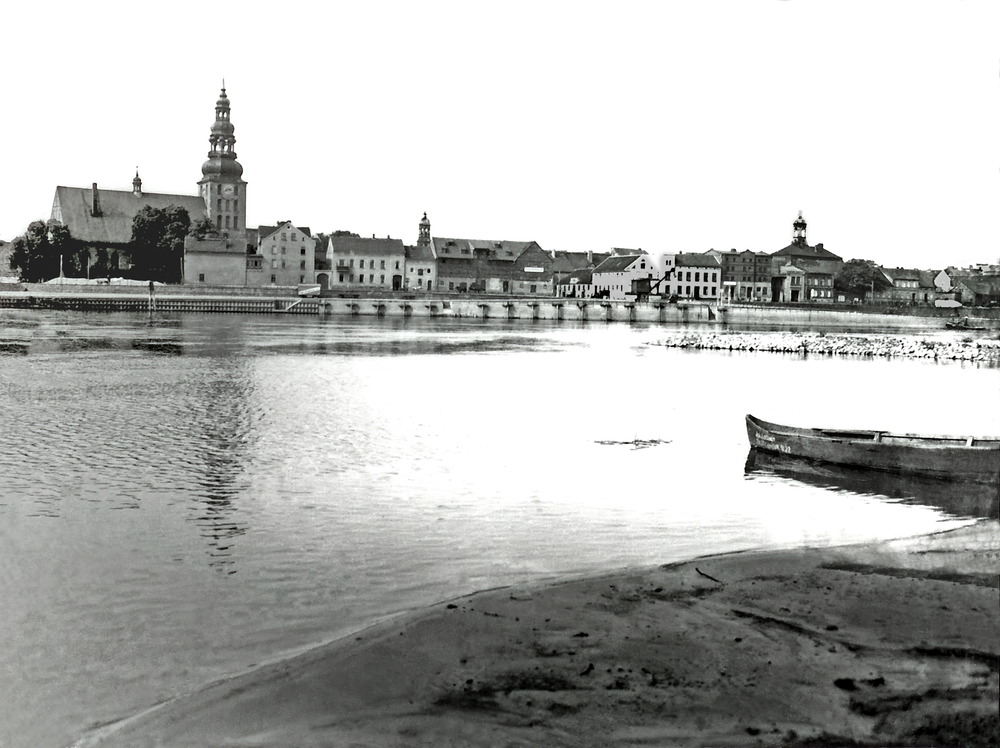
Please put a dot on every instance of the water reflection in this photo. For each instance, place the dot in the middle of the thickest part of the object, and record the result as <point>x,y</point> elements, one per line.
<point>958,498</point>
<point>219,454</point>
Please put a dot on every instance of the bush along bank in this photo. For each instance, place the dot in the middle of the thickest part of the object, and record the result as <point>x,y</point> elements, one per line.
<point>883,346</point>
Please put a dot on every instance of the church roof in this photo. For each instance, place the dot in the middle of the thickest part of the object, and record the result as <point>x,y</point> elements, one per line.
<point>73,207</point>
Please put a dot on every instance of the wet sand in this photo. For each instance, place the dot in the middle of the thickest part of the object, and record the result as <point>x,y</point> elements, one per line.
<point>896,643</point>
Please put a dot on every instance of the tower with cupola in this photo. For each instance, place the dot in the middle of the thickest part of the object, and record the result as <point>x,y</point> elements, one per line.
<point>222,186</point>
<point>799,231</point>
<point>424,237</point>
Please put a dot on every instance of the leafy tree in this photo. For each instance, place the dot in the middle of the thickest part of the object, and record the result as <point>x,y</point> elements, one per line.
<point>157,245</point>
<point>36,253</point>
<point>202,228</point>
<point>857,276</point>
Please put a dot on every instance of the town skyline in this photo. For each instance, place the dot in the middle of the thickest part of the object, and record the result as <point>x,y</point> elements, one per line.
<point>657,127</point>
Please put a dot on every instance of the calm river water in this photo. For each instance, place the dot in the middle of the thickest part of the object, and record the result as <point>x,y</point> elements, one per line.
<point>184,498</point>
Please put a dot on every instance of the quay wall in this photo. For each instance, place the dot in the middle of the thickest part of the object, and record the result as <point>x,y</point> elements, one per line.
<point>270,300</point>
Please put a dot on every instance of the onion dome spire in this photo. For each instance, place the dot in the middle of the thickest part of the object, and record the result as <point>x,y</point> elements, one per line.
<point>222,156</point>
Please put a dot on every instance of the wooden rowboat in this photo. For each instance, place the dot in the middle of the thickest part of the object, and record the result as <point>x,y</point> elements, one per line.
<point>948,457</point>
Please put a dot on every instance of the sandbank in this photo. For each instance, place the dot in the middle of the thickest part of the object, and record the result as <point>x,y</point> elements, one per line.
<point>896,643</point>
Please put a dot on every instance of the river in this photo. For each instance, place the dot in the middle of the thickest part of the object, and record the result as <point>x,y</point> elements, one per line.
<point>185,497</point>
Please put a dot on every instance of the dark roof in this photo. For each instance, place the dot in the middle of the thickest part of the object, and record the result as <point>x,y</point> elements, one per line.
<point>584,276</point>
<point>983,285</point>
<point>420,253</point>
<point>353,245</point>
<point>498,249</point>
<point>696,260</point>
<point>616,263</point>
<point>806,250</point>
<point>73,207</point>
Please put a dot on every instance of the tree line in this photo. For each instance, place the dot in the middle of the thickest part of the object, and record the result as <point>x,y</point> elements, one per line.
<point>47,249</point>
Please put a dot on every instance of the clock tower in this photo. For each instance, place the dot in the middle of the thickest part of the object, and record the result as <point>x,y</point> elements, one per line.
<point>222,186</point>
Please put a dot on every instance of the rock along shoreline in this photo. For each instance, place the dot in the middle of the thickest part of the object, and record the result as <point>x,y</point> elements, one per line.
<point>979,350</point>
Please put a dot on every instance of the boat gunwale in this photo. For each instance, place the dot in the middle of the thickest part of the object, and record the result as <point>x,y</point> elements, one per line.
<point>920,441</point>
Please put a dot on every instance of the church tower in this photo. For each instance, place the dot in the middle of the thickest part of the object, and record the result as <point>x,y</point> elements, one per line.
<point>222,186</point>
<point>799,231</point>
<point>424,237</point>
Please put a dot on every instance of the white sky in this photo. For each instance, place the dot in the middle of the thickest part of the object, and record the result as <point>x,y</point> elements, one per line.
<point>672,126</point>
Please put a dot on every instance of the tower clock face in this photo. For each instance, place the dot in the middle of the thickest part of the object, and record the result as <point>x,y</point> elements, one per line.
<point>228,190</point>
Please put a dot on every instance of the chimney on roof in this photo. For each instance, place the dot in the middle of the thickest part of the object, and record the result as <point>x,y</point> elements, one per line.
<point>96,209</point>
<point>819,246</point>
<point>590,257</point>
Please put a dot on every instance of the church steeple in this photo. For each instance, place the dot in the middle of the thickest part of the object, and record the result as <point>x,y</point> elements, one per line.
<point>799,231</point>
<point>424,237</point>
<point>137,184</point>
<point>222,185</point>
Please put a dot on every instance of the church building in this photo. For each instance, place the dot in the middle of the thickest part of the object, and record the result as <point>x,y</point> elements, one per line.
<point>102,219</point>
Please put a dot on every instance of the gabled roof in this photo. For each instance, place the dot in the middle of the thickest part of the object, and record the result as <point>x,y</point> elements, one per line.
<point>353,245</point>
<point>73,207</point>
<point>583,276</point>
<point>696,260</point>
<point>982,285</point>
<point>567,262</point>
<point>266,231</point>
<point>617,263</point>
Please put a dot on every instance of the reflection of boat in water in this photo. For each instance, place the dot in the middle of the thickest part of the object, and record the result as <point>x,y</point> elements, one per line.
<point>962,498</point>
<point>951,457</point>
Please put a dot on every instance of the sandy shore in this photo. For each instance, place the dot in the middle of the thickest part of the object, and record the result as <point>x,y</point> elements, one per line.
<point>896,643</point>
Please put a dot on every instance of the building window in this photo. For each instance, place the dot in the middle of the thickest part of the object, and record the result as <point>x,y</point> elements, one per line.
<point>201,277</point>
<point>274,264</point>
<point>294,238</point>
<point>352,278</point>
<point>236,222</point>
<point>218,205</point>
<point>283,236</point>
<point>227,222</point>
<point>532,288</point>
<point>397,264</point>
<point>419,271</point>
<point>696,278</point>
<point>381,279</point>
<point>302,265</point>
<point>282,264</point>
<point>218,222</point>
<point>302,279</point>
<point>303,251</point>
<point>341,278</point>
<point>451,286</point>
<point>381,265</point>
<point>352,265</point>
<point>371,278</point>
<point>274,279</point>
<point>274,250</point>
<point>283,250</point>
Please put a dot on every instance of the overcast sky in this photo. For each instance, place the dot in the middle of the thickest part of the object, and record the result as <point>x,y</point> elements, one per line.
<point>670,126</point>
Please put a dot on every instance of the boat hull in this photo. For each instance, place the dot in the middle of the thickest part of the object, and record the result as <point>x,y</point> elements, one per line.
<point>936,456</point>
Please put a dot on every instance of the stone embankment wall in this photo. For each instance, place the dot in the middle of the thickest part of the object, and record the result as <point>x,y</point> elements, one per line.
<point>981,350</point>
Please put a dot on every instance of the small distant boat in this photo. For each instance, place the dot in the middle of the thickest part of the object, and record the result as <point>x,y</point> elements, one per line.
<point>962,324</point>
<point>949,457</point>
